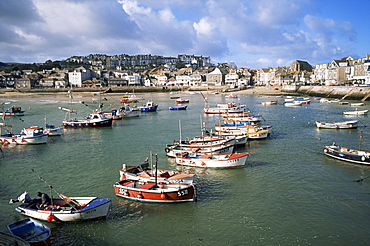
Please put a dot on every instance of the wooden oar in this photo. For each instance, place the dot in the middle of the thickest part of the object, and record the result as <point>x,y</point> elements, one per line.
<point>71,202</point>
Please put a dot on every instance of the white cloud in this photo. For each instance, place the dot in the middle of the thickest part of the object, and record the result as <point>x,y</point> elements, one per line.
<point>239,30</point>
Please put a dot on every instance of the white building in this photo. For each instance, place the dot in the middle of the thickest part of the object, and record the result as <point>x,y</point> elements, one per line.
<point>78,75</point>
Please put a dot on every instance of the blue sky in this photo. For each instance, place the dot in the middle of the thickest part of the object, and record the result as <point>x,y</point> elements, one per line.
<point>251,33</point>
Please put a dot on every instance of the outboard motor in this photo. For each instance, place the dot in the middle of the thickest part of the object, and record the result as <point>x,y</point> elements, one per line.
<point>24,198</point>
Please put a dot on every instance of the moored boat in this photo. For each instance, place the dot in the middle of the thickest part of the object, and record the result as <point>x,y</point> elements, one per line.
<point>264,103</point>
<point>157,190</point>
<point>356,112</point>
<point>13,111</point>
<point>32,231</point>
<point>184,107</point>
<point>181,100</point>
<point>357,104</point>
<point>347,154</point>
<point>174,150</point>
<point>212,161</point>
<point>231,96</point>
<point>66,209</point>
<point>125,111</point>
<point>29,135</point>
<point>225,108</point>
<point>350,124</point>
<point>293,104</point>
<point>148,107</point>
<point>52,130</point>
<point>95,119</point>
<point>144,172</point>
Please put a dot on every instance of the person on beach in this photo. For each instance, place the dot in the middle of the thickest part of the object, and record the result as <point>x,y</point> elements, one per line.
<point>45,200</point>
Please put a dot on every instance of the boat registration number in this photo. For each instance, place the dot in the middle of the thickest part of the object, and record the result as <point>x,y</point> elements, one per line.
<point>182,192</point>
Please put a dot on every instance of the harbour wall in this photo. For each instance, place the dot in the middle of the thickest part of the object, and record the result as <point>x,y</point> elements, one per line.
<point>341,92</point>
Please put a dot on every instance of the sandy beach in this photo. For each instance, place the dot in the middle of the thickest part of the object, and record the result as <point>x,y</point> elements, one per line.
<point>261,90</point>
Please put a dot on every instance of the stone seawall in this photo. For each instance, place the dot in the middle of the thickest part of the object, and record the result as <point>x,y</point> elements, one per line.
<point>341,92</point>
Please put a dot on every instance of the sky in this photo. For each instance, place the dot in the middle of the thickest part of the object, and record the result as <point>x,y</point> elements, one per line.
<point>251,33</point>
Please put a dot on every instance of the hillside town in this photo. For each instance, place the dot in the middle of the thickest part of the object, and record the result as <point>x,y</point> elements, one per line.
<point>98,70</point>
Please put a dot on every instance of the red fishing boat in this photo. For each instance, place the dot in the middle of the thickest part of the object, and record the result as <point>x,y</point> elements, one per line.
<point>156,187</point>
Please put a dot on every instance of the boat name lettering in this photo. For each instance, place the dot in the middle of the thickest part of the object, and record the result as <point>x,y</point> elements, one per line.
<point>90,211</point>
<point>182,192</point>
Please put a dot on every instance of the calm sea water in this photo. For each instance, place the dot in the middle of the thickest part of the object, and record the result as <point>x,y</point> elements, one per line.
<point>288,193</point>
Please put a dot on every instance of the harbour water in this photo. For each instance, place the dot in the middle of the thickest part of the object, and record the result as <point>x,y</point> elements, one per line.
<point>288,193</point>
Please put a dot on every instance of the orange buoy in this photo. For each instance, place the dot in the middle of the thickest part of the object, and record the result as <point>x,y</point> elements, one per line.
<point>163,196</point>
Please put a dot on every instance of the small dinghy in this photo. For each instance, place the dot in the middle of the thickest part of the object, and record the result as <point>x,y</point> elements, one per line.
<point>32,231</point>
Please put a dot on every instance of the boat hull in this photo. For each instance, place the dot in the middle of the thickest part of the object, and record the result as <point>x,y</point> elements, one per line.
<point>88,123</point>
<point>95,208</point>
<point>337,125</point>
<point>23,140</point>
<point>32,231</point>
<point>348,155</point>
<point>178,193</point>
<point>178,108</point>
<point>213,161</point>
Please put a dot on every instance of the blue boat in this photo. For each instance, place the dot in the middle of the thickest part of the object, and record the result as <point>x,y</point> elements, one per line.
<point>32,231</point>
<point>179,107</point>
<point>149,107</point>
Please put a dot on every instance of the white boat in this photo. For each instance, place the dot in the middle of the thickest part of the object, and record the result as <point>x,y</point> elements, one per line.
<point>253,132</point>
<point>95,119</point>
<point>212,161</point>
<point>29,135</point>
<point>144,173</point>
<point>91,208</point>
<point>174,150</point>
<point>293,104</point>
<point>264,103</point>
<point>52,130</point>
<point>222,108</point>
<point>231,96</point>
<point>64,209</point>
<point>350,124</point>
<point>357,104</point>
<point>356,112</point>
<point>124,112</point>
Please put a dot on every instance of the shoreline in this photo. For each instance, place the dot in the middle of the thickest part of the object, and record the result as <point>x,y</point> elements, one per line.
<point>335,92</point>
<point>88,93</point>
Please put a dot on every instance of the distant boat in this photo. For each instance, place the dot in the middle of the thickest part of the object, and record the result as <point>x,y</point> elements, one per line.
<point>356,112</point>
<point>350,124</point>
<point>357,104</point>
<point>32,231</point>
<point>52,130</point>
<point>184,107</point>
<point>181,100</point>
<point>264,103</point>
<point>293,104</point>
<point>13,111</point>
<point>231,96</point>
<point>225,108</point>
<point>148,107</point>
<point>95,119</point>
